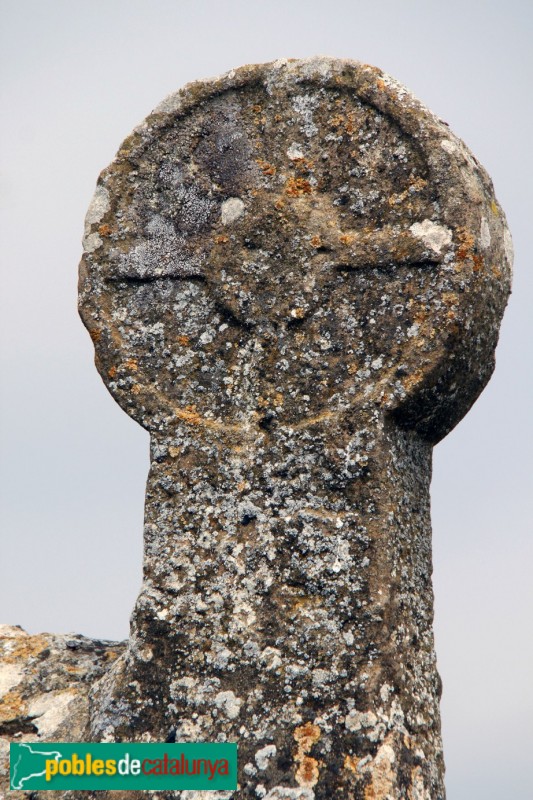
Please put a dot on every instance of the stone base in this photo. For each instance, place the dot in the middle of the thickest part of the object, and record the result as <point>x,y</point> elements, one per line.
<point>44,685</point>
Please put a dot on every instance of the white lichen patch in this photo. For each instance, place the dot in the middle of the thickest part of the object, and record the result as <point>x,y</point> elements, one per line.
<point>295,152</point>
<point>434,236</point>
<point>92,242</point>
<point>12,632</point>
<point>263,756</point>
<point>10,676</point>
<point>193,794</point>
<point>271,658</point>
<point>448,146</point>
<point>356,720</point>
<point>229,704</point>
<point>508,247</point>
<point>484,234</point>
<point>318,66</point>
<point>284,793</point>
<point>99,206</point>
<point>304,105</point>
<point>170,105</point>
<point>97,210</point>
<point>50,710</point>
<point>162,252</point>
<point>383,772</point>
<point>231,210</point>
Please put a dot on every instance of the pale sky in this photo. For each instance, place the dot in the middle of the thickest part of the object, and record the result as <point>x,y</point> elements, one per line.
<point>76,77</point>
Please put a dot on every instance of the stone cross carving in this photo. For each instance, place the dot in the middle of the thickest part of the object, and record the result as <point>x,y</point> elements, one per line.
<point>293,277</point>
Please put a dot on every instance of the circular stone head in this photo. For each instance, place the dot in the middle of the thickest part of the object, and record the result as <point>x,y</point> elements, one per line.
<point>294,239</point>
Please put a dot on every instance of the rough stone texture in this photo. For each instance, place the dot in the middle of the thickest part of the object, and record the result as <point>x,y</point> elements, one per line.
<point>44,687</point>
<point>294,277</point>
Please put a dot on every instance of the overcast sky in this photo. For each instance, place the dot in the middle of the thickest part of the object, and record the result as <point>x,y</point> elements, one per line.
<point>75,79</point>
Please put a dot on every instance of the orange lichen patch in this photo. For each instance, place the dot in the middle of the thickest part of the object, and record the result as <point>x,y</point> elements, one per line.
<point>295,187</point>
<point>413,380</point>
<point>298,313</point>
<point>189,414</point>
<point>278,118</point>
<point>12,706</point>
<point>465,245</point>
<point>276,400</point>
<point>416,186</point>
<point>308,772</point>
<point>174,452</point>
<point>266,168</point>
<point>73,670</point>
<point>383,780</point>
<point>380,773</point>
<point>449,298</point>
<point>111,655</point>
<point>347,239</point>
<point>496,271</point>
<point>350,122</point>
<point>303,165</point>
<point>381,86</point>
<point>95,334</point>
<point>112,372</point>
<point>494,208</point>
<point>336,121</point>
<point>221,239</point>
<point>453,327</point>
<point>183,340</point>
<point>279,204</point>
<point>306,736</point>
<point>306,604</point>
<point>105,230</point>
<point>26,647</point>
<point>308,422</point>
<point>257,109</point>
<point>346,121</point>
<point>136,389</point>
<point>316,241</point>
<point>131,364</point>
<point>351,762</point>
<point>478,262</point>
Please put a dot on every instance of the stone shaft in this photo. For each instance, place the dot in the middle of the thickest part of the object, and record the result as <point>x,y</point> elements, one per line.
<point>273,600</point>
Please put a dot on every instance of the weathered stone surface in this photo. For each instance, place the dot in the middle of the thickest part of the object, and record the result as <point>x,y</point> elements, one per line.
<point>294,277</point>
<point>44,686</point>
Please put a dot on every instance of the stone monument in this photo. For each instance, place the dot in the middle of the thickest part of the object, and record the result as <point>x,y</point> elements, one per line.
<point>293,277</point>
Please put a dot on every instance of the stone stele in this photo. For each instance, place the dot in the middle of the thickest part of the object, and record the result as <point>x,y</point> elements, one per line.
<point>293,277</point>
